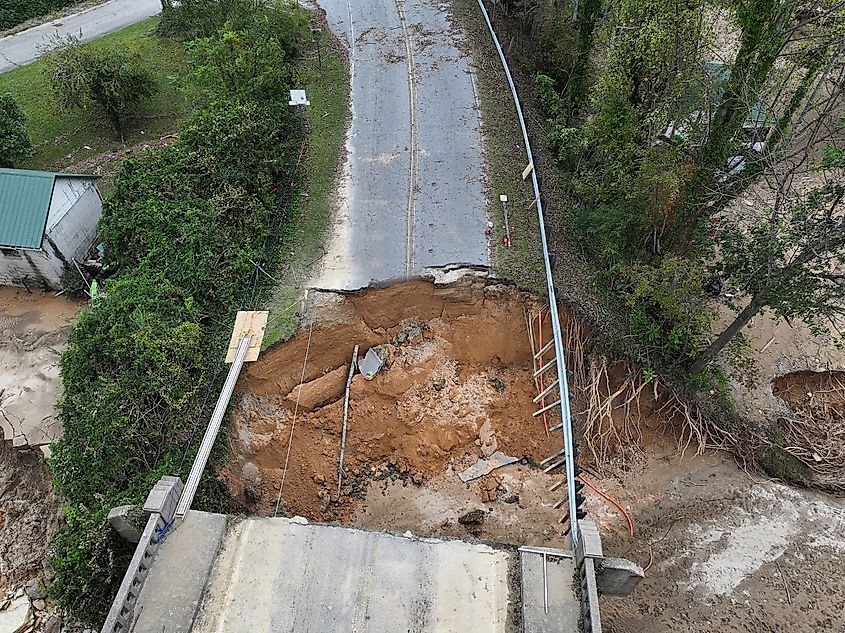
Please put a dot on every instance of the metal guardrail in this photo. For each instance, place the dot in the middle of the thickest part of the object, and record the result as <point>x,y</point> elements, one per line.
<point>563,385</point>
<point>212,430</point>
<point>160,505</point>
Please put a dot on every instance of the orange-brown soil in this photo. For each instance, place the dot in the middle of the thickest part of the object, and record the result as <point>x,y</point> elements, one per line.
<point>457,385</point>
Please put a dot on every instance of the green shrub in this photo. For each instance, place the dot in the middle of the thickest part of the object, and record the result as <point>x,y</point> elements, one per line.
<point>113,81</point>
<point>547,95</point>
<point>192,19</point>
<point>666,310</point>
<point>89,557</point>
<point>13,12</point>
<point>15,145</point>
<point>181,229</point>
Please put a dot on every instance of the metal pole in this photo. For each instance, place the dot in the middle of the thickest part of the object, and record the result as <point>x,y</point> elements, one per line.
<point>352,366</point>
<point>204,452</point>
<point>553,313</point>
<point>545,584</point>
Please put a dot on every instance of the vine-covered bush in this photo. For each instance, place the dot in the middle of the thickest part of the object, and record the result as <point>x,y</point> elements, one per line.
<point>15,144</point>
<point>181,229</point>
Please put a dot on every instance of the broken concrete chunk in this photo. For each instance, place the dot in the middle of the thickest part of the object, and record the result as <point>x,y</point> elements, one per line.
<point>119,519</point>
<point>619,577</point>
<point>15,616</point>
<point>373,361</point>
<point>34,589</point>
<point>485,466</point>
<point>52,624</point>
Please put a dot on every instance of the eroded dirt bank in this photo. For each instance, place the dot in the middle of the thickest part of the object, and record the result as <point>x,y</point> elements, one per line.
<point>457,386</point>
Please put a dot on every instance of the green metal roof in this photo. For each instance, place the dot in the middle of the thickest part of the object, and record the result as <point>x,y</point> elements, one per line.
<point>24,205</point>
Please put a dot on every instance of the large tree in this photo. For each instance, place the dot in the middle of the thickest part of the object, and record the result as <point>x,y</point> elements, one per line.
<point>777,83</point>
<point>791,258</point>
<point>114,82</point>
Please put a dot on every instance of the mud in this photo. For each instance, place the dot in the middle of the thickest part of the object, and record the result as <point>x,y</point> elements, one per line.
<point>457,386</point>
<point>723,551</point>
<point>34,328</point>
<point>29,515</point>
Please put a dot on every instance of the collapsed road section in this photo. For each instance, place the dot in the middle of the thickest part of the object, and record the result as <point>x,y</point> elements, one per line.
<point>445,392</point>
<point>452,389</point>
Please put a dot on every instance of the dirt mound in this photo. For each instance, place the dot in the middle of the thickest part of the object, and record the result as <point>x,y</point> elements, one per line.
<point>457,384</point>
<point>29,514</point>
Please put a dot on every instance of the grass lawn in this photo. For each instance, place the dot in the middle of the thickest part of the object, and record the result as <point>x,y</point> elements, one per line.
<point>60,137</point>
<point>327,88</point>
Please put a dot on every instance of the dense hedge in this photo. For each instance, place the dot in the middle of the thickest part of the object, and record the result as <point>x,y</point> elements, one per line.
<point>13,12</point>
<point>181,228</point>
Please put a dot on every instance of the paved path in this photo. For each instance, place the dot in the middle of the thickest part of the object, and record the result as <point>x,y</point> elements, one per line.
<point>278,575</point>
<point>412,188</point>
<point>25,46</point>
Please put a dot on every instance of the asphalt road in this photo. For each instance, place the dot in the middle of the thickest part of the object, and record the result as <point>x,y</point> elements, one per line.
<point>26,46</point>
<point>411,194</point>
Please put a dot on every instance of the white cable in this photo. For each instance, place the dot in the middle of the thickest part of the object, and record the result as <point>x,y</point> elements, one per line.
<point>295,411</point>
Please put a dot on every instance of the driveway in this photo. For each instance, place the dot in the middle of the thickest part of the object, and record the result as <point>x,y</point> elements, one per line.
<point>411,195</point>
<point>24,47</point>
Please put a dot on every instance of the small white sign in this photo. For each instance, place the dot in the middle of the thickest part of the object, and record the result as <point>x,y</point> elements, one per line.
<point>297,97</point>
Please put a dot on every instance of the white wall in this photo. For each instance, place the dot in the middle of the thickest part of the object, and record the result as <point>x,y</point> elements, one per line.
<point>73,231</point>
<point>75,209</point>
<point>66,192</point>
<point>31,268</point>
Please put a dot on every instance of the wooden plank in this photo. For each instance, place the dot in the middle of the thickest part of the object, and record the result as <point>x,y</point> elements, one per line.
<point>528,169</point>
<point>253,324</point>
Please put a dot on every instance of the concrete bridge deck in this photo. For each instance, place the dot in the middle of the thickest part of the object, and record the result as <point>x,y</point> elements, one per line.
<point>213,574</point>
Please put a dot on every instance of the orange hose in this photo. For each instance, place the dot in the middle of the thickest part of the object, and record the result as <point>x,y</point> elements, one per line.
<point>611,500</point>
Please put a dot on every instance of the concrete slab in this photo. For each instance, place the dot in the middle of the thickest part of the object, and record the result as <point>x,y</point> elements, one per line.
<point>180,571</point>
<point>411,192</point>
<point>276,575</point>
<point>564,610</point>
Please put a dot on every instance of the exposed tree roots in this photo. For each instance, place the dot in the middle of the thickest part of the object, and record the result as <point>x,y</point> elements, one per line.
<point>619,406</point>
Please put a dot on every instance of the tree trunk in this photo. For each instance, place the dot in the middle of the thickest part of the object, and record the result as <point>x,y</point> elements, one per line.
<point>741,320</point>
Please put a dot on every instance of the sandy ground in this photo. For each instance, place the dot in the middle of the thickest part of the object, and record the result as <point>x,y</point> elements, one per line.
<point>35,328</point>
<point>778,349</point>
<point>723,550</point>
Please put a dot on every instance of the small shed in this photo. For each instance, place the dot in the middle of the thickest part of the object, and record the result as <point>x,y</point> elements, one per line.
<point>47,220</point>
